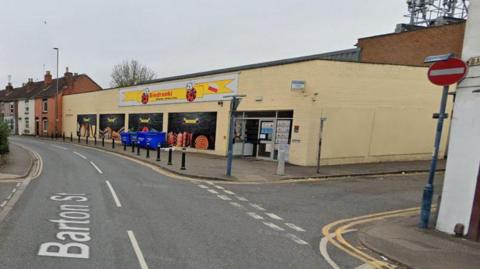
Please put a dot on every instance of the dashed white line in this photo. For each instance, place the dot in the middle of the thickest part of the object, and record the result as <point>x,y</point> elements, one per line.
<point>115,198</point>
<point>96,167</point>
<point>241,198</point>
<point>209,182</point>
<point>14,190</point>
<point>59,147</point>
<point>235,204</point>
<point>257,207</point>
<point>254,215</point>
<point>9,196</point>
<point>212,191</point>
<point>203,186</point>
<point>296,239</point>
<point>18,184</point>
<point>224,197</point>
<point>274,226</point>
<point>229,192</point>
<point>273,216</point>
<point>3,203</point>
<point>138,251</point>
<point>219,187</point>
<point>295,227</point>
<point>80,155</point>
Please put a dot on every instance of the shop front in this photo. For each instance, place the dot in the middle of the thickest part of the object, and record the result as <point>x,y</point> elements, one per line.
<point>260,134</point>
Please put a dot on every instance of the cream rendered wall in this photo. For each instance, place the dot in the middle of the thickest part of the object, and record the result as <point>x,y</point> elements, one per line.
<point>22,113</point>
<point>374,112</point>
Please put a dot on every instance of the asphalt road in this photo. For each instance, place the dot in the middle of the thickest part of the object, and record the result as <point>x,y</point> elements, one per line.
<point>96,210</point>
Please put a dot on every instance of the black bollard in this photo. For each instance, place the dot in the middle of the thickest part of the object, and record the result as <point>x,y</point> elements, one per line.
<point>158,152</point>
<point>95,140</point>
<point>113,143</point>
<point>138,149</point>
<point>124,146</point>
<point>133,146</point>
<point>169,156</point>
<point>63,136</point>
<point>86,140</point>
<point>103,141</point>
<point>71,137</point>
<point>148,150</point>
<point>51,136</point>
<point>183,160</point>
<point>78,138</point>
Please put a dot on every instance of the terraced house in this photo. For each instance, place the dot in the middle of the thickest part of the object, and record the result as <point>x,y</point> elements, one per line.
<point>30,109</point>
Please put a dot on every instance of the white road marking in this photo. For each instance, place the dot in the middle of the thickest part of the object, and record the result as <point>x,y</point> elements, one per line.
<point>14,190</point>
<point>3,203</point>
<point>203,186</point>
<point>297,239</point>
<point>96,167</point>
<point>324,252</point>
<point>241,198</point>
<point>364,266</point>
<point>219,187</point>
<point>212,191</point>
<point>224,197</point>
<point>274,226</point>
<point>115,198</point>
<point>273,216</point>
<point>235,204</point>
<point>138,252</point>
<point>209,182</point>
<point>295,227</point>
<point>59,147</point>
<point>80,155</point>
<point>229,192</point>
<point>9,196</point>
<point>257,207</point>
<point>18,184</point>
<point>254,215</point>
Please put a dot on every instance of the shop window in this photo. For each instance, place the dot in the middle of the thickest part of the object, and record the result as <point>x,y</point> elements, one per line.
<point>45,105</point>
<point>285,114</point>
<point>260,114</point>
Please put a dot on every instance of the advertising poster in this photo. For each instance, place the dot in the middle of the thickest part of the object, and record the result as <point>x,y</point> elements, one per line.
<point>196,130</point>
<point>145,122</point>
<point>189,91</point>
<point>111,125</point>
<point>87,125</point>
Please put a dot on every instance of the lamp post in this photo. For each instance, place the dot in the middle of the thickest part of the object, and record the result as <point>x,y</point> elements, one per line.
<point>234,102</point>
<point>56,96</point>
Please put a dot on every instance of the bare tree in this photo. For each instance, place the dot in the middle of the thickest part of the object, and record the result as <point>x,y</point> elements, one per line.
<point>129,73</point>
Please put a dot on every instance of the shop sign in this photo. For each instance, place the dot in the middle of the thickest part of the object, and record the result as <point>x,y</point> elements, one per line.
<point>187,91</point>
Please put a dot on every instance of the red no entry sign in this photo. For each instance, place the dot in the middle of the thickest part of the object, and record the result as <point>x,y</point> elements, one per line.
<point>447,72</point>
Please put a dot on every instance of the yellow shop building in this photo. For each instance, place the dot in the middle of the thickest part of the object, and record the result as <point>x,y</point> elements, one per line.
<point>370,112</point>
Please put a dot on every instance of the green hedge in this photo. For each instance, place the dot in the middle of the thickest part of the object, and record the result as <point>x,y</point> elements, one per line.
<point>4,131</point>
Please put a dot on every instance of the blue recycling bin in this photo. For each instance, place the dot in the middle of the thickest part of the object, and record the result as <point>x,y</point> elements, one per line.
<point>133,137</point>
<point>126,139</point>
<point>155,138</point>
<point>142,139</point>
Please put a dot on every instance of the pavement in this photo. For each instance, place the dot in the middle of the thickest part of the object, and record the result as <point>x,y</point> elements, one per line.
<point>400,240</point>
<point>111,212</point>
<point>207,166</point>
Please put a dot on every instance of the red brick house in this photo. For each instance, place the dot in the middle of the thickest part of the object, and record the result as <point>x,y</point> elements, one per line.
<point>45,100</point>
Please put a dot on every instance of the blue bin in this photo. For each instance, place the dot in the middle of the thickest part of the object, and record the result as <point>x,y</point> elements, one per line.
<point>142,139</point>
<point>133,137</point>
<point>126,139</point>
<point>156,138</point>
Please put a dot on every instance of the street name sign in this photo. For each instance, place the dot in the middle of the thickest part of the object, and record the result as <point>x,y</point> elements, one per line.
<point>444,73</point>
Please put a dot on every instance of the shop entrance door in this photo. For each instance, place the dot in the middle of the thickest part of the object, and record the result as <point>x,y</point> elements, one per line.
<point>265,139</point>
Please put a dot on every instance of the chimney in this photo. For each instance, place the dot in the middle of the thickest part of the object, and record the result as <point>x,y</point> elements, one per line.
<point>29,84</point>
<point>47,78</point>
<point>68,78</point>
<point>9,87</point>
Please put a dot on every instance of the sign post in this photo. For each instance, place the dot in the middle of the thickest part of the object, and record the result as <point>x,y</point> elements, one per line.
<point>443,72</point>
<point>234,102</point>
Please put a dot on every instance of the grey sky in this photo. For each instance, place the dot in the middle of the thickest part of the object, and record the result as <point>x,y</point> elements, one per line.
<point>178,37</point>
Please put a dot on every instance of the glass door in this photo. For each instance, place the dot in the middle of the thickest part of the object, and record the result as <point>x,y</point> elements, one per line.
<point>266,139</point>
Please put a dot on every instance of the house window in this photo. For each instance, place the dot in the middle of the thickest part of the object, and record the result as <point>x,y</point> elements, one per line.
<point>27,108</point>
<point>27,122</point>
<point>12,108</point>
<point>45,105</point>
<point>45,125</point>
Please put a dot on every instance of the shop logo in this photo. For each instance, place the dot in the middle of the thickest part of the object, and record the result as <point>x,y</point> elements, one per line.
<point>86,119</point>
<point>145,96</point>
<point>145,120</point>
<point>191,92</point>
<point>190,121</point>
<point>111,120</point>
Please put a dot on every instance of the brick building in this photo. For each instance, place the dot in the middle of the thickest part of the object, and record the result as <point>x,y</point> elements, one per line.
<point>411,47</point>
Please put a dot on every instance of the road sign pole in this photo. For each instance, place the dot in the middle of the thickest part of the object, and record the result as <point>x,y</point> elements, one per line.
<point>230,137</point>
<point>428,189</point>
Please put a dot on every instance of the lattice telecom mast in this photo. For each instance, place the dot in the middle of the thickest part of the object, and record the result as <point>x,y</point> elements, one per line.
<point>434,12</point>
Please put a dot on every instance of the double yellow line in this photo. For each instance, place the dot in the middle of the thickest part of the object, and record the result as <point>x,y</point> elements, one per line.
<point>342,226</point>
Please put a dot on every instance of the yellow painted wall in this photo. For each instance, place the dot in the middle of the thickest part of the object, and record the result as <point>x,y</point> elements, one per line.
<point>374,112</point>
